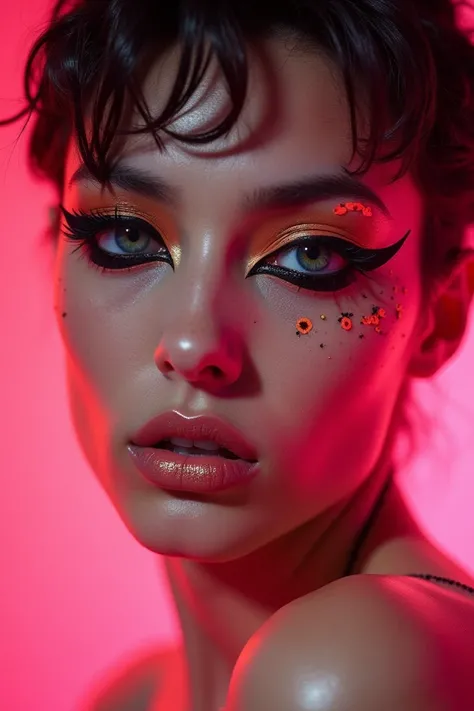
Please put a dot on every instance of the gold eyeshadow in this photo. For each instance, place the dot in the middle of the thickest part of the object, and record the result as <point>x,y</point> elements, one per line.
<point>128,210</point>
<point>292,234</point>
<point>265,237</point>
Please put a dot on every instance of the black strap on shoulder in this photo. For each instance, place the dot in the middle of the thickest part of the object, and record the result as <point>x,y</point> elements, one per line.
<point>364,532</point>
<point>439,579</point>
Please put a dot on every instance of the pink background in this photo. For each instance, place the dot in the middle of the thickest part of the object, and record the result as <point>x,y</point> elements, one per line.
<point>77,593</point>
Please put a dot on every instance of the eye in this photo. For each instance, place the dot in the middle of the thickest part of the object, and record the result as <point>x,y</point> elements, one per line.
<point>311,258</point>
<point>126,239</point>
<point>113,242</point>
<point>323,263</point>
<point>313,262</point>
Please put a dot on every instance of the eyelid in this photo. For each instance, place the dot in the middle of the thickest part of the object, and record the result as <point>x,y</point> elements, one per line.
<point>292,234</point>
<point>123,209</point>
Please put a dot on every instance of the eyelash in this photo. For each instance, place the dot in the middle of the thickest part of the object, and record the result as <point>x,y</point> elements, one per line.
<point>83,227</point>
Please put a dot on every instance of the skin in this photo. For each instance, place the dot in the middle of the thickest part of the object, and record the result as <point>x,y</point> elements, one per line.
<point>321,419</point>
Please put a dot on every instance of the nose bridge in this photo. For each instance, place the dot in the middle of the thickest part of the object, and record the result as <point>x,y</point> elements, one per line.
<point>202,339</point>
<point>205,291</point>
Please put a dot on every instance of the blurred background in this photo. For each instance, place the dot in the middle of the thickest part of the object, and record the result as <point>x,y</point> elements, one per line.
<point>77,594</point>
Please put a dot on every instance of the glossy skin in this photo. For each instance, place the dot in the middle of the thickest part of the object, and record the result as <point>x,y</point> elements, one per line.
<point>203,338</point>
<point>283,392</point>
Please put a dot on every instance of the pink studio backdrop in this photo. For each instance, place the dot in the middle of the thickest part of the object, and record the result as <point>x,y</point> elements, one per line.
<point>77,593</point>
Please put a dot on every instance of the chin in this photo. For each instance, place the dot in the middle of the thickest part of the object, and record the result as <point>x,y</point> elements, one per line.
<point>183,527</point>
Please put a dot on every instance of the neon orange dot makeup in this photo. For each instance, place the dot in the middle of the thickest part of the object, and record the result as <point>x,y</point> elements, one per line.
<point>344,208</point>
<point>346,321</point>
<point>370,320</point>
<point>303,326</point>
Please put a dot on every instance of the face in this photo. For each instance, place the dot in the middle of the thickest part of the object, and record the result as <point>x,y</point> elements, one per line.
<point>251,305</point>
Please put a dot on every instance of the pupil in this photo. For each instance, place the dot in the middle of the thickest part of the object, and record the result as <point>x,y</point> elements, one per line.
<point>312,257</point>
<point>313,252</point>
<point>131,234</point>
<point>132,239</point>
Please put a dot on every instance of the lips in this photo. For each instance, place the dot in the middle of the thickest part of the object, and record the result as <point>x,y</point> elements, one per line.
<point>173,425</point>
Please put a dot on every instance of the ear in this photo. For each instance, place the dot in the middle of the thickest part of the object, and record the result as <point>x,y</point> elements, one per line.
<point>446,318</point>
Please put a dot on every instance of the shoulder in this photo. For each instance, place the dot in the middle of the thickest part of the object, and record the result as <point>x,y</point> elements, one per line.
<point>365,642</point>
<point>134,684</point>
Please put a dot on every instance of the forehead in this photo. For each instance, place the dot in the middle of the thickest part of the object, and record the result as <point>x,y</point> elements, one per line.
<point>295,123</point>
<point>292,94</point>
<point>294,98</point>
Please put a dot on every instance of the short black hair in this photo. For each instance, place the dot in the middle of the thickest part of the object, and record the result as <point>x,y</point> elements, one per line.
<point>414,63</point>
<point>410,57</point>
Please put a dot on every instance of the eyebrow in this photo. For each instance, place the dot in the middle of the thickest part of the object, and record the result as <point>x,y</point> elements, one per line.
<point>132,180</point>
<point>295,194</point>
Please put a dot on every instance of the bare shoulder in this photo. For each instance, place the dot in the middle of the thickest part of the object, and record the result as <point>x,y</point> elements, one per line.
<point>364,642</point>
<point>134,684</point>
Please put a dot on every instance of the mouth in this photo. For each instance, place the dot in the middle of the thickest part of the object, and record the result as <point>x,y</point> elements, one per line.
<point>196,436</point>
<point>200,454</point>
<point>199,448</point>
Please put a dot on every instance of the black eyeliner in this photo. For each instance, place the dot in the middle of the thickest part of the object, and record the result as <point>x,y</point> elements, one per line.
<point>359,259</point>
<point>83,226</point>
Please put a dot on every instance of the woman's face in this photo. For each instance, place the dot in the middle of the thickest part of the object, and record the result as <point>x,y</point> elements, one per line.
<point>203,329</point>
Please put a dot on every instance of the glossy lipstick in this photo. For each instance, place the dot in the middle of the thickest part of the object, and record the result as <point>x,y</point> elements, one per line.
<point>199,473</point>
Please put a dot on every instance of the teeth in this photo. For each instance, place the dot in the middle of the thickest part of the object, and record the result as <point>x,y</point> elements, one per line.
<point>179,442</point>
<point>203,444</point>
<point>199,444</point>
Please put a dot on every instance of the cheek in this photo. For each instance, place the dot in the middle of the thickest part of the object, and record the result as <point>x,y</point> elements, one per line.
<point>343,377</point>
<point>104,340</point>
<point>97,350</point>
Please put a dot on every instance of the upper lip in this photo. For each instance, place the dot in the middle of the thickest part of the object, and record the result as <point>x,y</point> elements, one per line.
<point>200,427</point>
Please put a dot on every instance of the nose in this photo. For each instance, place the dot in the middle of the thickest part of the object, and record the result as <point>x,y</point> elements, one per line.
<point>204,355</point>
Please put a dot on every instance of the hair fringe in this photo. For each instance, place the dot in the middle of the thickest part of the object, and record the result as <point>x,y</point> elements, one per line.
<point>416,65</point>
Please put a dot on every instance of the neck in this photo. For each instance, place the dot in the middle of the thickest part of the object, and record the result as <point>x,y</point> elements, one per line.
<point>220,606</point>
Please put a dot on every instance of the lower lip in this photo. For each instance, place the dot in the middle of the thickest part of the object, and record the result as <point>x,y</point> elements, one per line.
<point>194,473</point>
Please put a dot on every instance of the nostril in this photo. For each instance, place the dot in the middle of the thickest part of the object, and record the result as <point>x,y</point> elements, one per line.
<point>209,373</point>
<point>166,367</point>
<point>215,372</point>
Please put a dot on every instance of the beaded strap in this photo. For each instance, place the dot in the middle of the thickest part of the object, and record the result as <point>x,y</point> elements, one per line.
<point>438,579</point>
<point>365,530</point>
